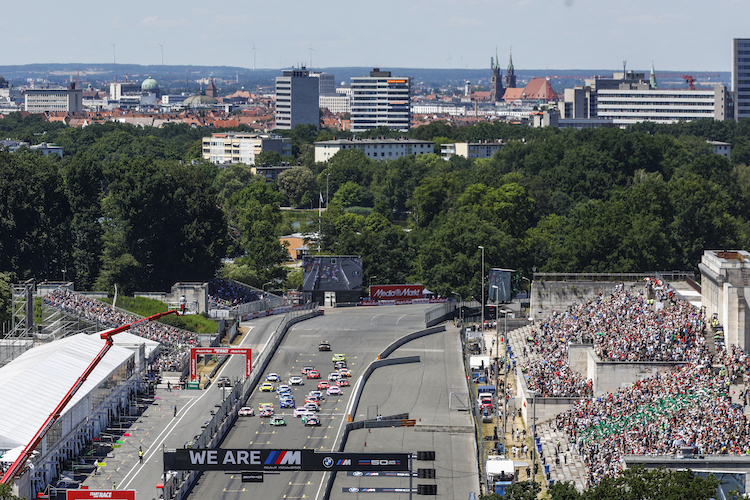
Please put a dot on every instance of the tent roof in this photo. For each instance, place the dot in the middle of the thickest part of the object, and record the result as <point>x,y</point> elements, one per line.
<point>32,385</point>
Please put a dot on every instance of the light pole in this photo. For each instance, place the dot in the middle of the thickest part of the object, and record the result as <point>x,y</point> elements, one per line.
<point>369,286</point>
<point>482,324</point>
<point>327,175</point>
<point>264,286</point>
<point>460,311</point>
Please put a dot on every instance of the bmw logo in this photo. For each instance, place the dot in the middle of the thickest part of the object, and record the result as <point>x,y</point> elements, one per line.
<point>357,473</point>
<point>328,462</point>
<point>353,490</point>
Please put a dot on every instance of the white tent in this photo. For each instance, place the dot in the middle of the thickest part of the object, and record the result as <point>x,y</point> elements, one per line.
<point>32,385</point>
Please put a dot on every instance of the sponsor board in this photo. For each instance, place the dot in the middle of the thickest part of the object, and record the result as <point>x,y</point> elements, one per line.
<point>252,477</point>
<point>195,351</point>
<point>344,489</point>
<point>396,292</point>
<point>100,495</point>
<point>245,460</point>
<point>359,473</point>
<point>401,302</point>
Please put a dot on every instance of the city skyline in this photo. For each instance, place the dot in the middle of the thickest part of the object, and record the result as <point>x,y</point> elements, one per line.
<point>575,34</point>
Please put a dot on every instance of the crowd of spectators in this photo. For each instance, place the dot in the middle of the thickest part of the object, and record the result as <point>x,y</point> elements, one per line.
<point>690,405</point>
<point>225,294</point>
<point>175,344</point>
<point>623,326</point>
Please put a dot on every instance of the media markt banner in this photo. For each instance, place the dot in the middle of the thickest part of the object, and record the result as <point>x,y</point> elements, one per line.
<point>282,460</point>
<point>396,292</point>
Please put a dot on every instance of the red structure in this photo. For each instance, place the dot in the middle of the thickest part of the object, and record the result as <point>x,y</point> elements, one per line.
<point>220,350</point>
<point>107,335</point>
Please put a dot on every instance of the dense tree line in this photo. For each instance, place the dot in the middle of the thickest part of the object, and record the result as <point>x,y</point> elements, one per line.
<point>138,208</point>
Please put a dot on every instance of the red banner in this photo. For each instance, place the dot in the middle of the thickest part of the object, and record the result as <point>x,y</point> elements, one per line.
<point>401,302</point>
<point>101,494</point>
<point>246,351</point>
<point>395,292</point>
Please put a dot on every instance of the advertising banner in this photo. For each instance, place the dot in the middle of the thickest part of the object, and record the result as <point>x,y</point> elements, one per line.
<point>396,292</point>
<point>499,285</point>
<point>195,351</point>
<point>282,460</point>
<point>100,495</point>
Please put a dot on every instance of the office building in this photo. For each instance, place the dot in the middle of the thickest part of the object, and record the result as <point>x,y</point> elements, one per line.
<point>377,149</point>
<point>337,103</point>
<point>67,100</point>
<point>297,95</point>
<point>741,77</point>
<point>631,97</point>
<point>326,83</point>
<point>380,100</point>
<point>482,149</point>
<point>239,147</point>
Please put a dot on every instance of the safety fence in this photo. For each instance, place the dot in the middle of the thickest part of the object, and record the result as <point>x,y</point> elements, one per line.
<point>438,314</point>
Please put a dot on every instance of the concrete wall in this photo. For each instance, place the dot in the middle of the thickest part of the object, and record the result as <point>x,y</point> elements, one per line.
<point>609,376</point>
<point>578,357</point>
<point>725,288</point>
<point>549,296</point>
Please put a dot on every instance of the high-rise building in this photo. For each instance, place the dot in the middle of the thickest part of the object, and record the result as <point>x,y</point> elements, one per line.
<point>380,100</point>
<point>496,80</point>
<point>297,99</point>
<point>327,84</point>
<point>741,77</point>
<point>510,75</point>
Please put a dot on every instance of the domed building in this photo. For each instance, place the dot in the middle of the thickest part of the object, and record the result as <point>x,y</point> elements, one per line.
<point>199,101</point>
<point>151,85</point>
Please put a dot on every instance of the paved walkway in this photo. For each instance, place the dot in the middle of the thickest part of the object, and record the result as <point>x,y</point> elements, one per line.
<point>571,467</point>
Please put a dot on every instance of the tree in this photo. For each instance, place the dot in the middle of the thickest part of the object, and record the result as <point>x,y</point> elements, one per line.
<point>6,493</point>
<point>162,225</point>
<point>295,182</point>
<point>639,483</point>
<point>6,298</point>
<point>255,216</point>
<point>348,195</point>
<point>525,490</point>
<point>268,158</point>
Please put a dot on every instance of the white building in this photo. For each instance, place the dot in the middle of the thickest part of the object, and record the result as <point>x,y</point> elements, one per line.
<point>336,103</point>
<point>297,99</point>
<point>630,97</point>
<point>240,147</point>
<point>118,90</point>
<point>68,100</point>
<point>482,149</point>
<point>377,149</point>
<point>380,100</point>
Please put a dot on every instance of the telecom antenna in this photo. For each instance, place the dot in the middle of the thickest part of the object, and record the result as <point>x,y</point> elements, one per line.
<point>114,54</point>
<point>253,51</point>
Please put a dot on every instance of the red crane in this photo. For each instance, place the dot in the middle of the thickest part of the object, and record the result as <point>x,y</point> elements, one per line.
<point>17,466</point>
<point>690,80</point>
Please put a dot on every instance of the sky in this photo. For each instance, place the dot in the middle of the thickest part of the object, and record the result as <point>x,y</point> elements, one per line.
<point>693,35</point>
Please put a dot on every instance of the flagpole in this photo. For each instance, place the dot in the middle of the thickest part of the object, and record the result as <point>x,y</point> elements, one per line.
<point>320,235</point>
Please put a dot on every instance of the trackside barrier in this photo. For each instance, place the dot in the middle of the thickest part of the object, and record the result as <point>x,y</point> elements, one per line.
<point>408,338</point>
<point>373,366</point>
<point>388,421</point>
<point>226,415</point>
<point>438,314</point>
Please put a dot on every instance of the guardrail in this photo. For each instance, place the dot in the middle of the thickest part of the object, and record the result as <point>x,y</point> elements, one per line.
<point>439,313</point>
<point>667,275</point>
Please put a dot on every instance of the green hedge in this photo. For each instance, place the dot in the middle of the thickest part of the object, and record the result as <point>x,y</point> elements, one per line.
<point>148,307</point>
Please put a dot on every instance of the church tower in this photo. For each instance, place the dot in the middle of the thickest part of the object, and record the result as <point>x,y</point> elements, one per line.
<point>652,80</point>
<point>510,76</point>
<point>496,80</point>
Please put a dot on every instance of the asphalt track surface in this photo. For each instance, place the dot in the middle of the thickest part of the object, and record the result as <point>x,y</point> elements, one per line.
<point>159,427</point>
<point>421,389</point>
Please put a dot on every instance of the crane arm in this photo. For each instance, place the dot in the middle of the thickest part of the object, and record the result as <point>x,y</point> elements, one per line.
<point>107,335</point>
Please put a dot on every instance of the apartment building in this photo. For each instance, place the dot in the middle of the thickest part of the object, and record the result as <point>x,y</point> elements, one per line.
<point>380,100</point>
<point>377,149</point>
<point>240,147</point>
